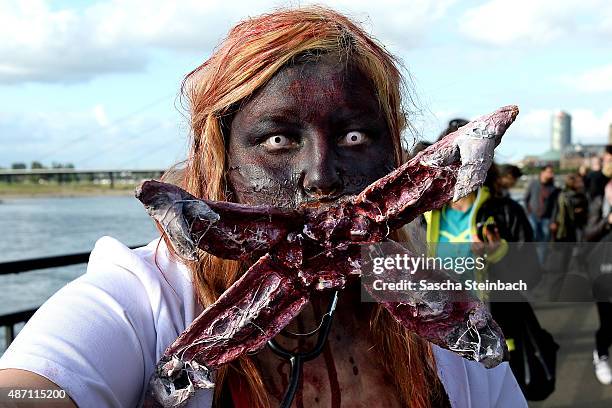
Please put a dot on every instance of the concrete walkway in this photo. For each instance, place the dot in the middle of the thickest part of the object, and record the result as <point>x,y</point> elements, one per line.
<point>573,326</point>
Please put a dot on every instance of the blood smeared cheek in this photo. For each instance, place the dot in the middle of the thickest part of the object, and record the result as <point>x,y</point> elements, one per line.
<point>256,185</point>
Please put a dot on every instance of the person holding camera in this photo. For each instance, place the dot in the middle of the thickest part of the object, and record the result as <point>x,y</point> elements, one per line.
<point>483,224</point>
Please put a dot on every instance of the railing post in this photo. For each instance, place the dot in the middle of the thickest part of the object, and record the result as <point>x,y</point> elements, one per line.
<point>9,334</point>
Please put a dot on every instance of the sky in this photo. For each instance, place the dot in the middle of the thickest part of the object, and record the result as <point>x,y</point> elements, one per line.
<point>95,84</point>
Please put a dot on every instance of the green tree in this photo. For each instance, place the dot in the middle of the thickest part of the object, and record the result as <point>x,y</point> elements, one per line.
<point>36,165</point>
<point>18,166</point>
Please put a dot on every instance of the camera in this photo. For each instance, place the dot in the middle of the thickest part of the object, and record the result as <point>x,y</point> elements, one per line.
<point>489,225</point>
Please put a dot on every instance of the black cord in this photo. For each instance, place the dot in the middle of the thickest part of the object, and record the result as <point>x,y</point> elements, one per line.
<point>297,359</point>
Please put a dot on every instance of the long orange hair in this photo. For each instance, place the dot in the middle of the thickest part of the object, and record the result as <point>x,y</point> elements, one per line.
<point>253,52</point>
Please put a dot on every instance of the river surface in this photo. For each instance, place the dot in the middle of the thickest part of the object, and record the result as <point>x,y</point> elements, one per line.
<point>38,227</point>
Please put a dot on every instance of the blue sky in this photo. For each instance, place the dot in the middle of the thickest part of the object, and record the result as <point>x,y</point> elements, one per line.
<point>95,84</point>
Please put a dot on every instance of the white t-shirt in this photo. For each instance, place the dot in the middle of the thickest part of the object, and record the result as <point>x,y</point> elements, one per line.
<point>100,336</point>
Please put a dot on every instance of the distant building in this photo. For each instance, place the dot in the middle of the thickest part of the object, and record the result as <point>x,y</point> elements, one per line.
<point>561,131</point>
<point>578,154</point>
<point>551,157</point>
<point>528,161</point>
<point>563,153</point>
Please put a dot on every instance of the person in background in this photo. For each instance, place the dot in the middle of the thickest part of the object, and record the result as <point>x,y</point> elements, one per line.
<point>598,228</point>
<point>598,177</point>
<point>457,230</point>
<point>484,222</point>
<point>583,171</point>
<point>509,175</point>
<point>569,217</point>
<point>540,198</point>
<point>570,211</point>
<point>453,125</point>
<point>419,147</point>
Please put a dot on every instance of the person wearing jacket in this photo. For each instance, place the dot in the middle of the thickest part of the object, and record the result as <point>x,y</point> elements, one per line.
<point>539,202</point>
<point>565,254</point>
<point>569,215</point>
<point>489,214</point>
<point>599,227</point>
<point>499,220</point>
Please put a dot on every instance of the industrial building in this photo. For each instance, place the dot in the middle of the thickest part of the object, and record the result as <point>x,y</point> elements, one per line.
<point>563,152</point>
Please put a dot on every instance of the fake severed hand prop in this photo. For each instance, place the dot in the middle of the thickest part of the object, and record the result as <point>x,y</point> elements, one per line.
<point>310,249</point>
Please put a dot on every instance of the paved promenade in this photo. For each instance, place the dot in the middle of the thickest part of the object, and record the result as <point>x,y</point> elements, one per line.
<point>573,325</point>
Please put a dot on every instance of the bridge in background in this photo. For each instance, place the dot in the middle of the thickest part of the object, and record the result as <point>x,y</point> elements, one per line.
<point>64,175</point>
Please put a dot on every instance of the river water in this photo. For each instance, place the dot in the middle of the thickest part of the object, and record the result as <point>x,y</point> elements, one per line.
<point>37,227</point>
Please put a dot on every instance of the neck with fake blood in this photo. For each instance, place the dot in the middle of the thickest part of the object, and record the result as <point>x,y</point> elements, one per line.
<point>349,360</point>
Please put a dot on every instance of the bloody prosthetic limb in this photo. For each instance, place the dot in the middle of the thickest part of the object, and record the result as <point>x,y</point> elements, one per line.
<point>455,320</point>
<point>298,252</point>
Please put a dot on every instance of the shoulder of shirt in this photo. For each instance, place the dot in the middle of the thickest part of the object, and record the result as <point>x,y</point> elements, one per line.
<point>151,264</point>
<point>166,282</point>
<point>154,255</point>
<point>111,251</point>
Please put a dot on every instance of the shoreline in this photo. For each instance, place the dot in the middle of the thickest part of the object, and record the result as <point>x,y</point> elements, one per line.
<point>16,191</point>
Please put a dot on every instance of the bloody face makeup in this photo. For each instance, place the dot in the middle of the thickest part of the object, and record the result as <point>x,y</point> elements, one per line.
<point>314,132</point>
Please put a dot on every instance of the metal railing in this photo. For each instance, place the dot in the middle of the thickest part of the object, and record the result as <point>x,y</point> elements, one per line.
<point>9,320</point>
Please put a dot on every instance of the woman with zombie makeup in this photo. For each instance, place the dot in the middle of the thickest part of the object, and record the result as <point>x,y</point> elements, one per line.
<point>297,106</point>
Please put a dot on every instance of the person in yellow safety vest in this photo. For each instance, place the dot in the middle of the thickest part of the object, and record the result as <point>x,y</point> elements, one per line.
<point>452,232</point>
<point>487,221</point>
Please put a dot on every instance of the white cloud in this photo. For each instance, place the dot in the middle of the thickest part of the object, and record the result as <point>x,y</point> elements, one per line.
<point>45,45</point>
<point>589,127</point>
<point>398,24</point>
<point>597,79</point>
<point>528,135</point>
<point>532,22</point>
<point>80,138</point>
<point>100,115</point>
<point>428,125</point>
<point>71,45</point>
<point>533,125</point>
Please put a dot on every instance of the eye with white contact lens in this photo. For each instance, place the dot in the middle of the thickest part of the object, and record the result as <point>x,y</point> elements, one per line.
<point>353,138</point>
<point>277,142</point>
